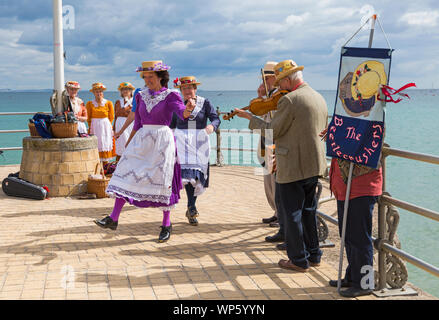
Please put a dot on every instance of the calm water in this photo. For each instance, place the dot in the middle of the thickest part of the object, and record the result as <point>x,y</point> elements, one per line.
<point>411,125</point>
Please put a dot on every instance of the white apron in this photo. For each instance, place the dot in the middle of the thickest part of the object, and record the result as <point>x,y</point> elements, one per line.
<point>120,121</point>
<point>146,168</point>
<point>193,149</point>
<point>76,106</point>
<point>102,129</point>
<point>82,128</point>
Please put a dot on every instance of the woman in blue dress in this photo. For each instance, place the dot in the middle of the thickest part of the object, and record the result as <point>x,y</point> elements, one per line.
<point>193,147</point>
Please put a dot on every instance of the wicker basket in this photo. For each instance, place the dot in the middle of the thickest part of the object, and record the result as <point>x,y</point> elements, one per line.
<point>64,130</point>
<point>33,130</point>
<point>98,186</point>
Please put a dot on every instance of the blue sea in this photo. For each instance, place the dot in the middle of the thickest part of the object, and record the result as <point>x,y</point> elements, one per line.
<point>411,125</point>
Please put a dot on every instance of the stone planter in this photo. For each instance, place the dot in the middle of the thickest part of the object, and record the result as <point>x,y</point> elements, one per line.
<point>63,165</point>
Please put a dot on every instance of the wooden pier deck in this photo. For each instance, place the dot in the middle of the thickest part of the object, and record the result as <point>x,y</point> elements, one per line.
<point>51,249</point>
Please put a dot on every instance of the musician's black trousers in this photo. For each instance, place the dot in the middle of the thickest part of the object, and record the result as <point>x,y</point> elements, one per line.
<point>298,205</point>
<point>358,239</point>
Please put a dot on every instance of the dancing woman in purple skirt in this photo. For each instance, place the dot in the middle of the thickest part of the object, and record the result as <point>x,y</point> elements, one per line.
<point>148,174</point>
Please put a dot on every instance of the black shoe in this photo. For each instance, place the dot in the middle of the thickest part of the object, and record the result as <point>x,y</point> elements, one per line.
<point>165,233</point>
<point>274,225</point>
<point>281,246</point>
<point>355,292</point>
<point>107,222</point>
<point>192,214</point>
<point>278,237</point>
<point>269,220</point>
<point>344,283</point>
<point>193,221</point>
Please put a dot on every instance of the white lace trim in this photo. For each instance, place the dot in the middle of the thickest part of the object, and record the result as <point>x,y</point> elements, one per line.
<point>124,104</point>
<point>151,102</point>
<point>199,105</point>
<point>96,105</point>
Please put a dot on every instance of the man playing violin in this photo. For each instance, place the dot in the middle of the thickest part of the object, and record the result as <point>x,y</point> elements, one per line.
<point>300,159</point>
<point>266,89</point>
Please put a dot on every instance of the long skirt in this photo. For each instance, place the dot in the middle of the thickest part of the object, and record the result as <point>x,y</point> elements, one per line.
<point>122,140</point>
<point>102,129</point>
<point>148,173</point>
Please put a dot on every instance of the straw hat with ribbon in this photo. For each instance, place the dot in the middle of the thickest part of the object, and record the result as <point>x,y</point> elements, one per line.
<point>72,84</point>
<point>367,79</point>
<point>284,69</point>
<point>359,90</point>
<point>152,66</point>
<point>178,83</point>
<point>98,86</point>
<point>268,69</point>
<point>126,85</point>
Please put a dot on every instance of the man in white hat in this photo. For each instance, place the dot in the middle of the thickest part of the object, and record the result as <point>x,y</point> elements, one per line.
<point>266,90</point>
<point>300,159</point>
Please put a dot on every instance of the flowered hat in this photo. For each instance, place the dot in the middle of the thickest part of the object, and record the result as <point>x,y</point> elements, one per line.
<point>126,85</point>
<point>367,79</point>
<point>72,84</point>
<point>98,86</point>
<point>284,69</point>
<point>359,90</point>
<point>184,81</point>
<point>152,66</point>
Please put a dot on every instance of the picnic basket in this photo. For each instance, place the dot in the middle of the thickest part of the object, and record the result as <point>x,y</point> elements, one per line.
<point>98,185</point>
<point>64,130</point>
<point>33,130</point>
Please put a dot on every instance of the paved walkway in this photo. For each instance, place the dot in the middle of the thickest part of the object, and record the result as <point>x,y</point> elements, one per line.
<point>51,249</point>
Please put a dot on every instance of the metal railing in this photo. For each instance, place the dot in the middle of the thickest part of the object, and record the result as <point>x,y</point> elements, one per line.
<point>386,200</point>
<point>16,131</point>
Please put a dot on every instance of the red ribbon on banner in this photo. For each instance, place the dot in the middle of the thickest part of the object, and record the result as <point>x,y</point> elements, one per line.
<point>389,92</point>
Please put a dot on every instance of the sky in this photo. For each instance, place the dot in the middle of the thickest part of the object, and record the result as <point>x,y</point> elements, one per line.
<point>224,43</point>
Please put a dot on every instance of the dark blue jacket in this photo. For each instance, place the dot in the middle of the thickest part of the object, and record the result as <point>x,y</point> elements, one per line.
<point>208,112</point>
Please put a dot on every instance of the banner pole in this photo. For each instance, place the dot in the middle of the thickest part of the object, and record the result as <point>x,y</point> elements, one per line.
<point>348,187</point>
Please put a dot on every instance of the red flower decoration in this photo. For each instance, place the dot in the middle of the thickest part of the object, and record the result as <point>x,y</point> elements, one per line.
<point>176,80</point>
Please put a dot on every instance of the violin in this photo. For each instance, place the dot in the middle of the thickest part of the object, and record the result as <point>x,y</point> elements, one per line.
<point>260,106</point>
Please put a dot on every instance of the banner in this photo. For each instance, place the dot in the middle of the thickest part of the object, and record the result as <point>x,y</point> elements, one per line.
<point>356,131</point>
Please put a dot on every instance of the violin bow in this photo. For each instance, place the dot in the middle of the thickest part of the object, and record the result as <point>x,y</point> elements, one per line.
<point>265,83</point>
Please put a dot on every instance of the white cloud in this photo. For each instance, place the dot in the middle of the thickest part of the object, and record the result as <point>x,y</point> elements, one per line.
<point>178,45</point>
<point>421,18</point>
<point>293,20</point>
<point>259,27</point>
<point>218,39</point>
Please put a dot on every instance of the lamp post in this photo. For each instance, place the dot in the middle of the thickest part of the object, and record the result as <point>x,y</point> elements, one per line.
<point>58,53</point>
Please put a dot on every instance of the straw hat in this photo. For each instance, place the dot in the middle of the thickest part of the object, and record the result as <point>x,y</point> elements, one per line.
<point>367,79</point>
<point>72,84</point>
<point>126,85</point>
<point>98,86</point>
<point>152,66</point>
<point>358,90</point>
<point>269,68</point>
<point>184,81</point>
<point>284,69</point>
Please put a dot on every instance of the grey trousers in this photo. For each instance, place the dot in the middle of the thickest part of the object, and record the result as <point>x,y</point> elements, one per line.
<point>270,187</point>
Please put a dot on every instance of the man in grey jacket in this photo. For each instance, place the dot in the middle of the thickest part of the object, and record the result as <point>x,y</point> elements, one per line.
<point>300,159</point>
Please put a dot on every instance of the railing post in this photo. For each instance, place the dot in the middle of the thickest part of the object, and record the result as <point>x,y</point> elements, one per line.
<point>219,155</point>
